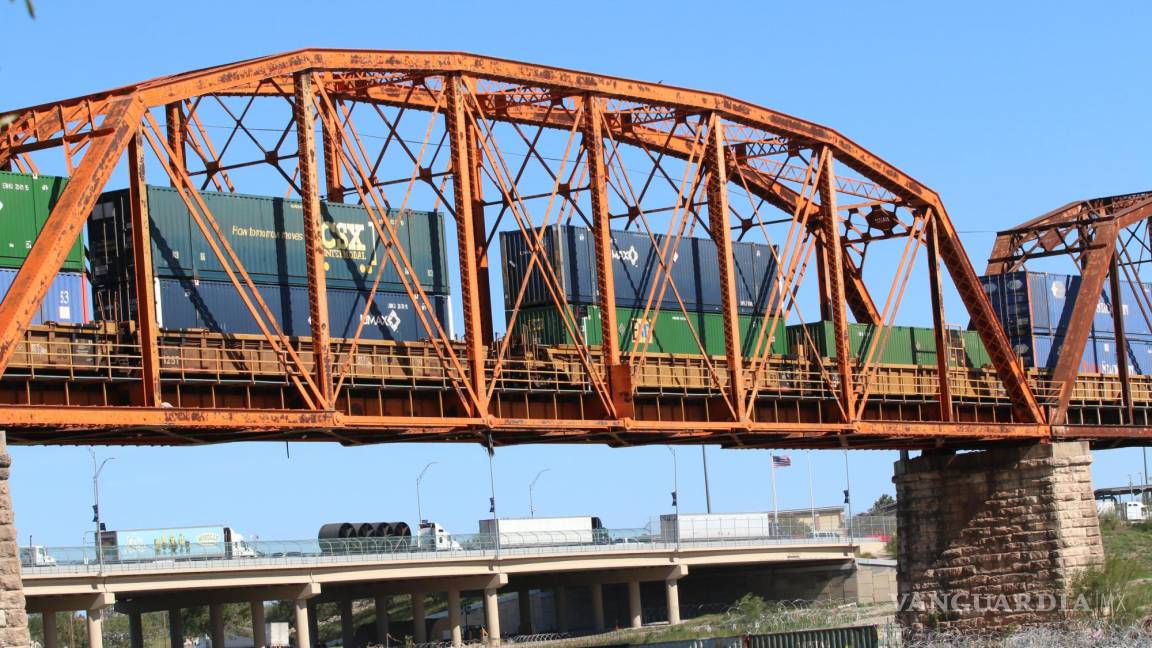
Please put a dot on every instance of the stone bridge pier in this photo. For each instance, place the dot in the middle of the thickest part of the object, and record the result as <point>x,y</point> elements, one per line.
<point>13,618</point>
<point>995,538</point>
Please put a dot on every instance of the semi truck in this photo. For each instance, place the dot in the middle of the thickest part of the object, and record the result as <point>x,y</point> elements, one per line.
<point>545,531</point>
<point>36,556</point>
<point>174,543</point>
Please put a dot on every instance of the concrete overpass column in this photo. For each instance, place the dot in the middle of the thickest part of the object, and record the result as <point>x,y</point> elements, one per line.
<point>48,621</point>
<point>175,628</point>
<point>419,625</point>
<point>672,589</point>
<point>492,614</point>
<point>598,607</point>
<point>381,605</point>
<point>560,598</point>
<point>635,612</point>
<point>305,617</point>
<point>216,624</point>
<point>347,624</point>
<point>135,630</point>
<point>454,616</point>
<point>259,631</point>
<point>313,622</point>
<point>13,618</point>
<point>1023,518</point>
<point>524,599</point>
<point>95,628</point>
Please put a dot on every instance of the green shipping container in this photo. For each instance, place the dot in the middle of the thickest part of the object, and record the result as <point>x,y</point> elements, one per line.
<point>905,345</point>
<point>664,331</point>
<point>25,203</point>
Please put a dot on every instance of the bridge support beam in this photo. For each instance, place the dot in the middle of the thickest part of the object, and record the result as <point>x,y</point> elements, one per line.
<point>216,624</point>
<point>259,631</point>
<point>635,611</point>
<point>13,618</point>
<point>492,615</point>
<point>381,608</point>
<point>136,630</point>
<point>347,624</point>
<point>598,607</point>
<point>524,600</point>
<point>175,628</point>
<point>672,591</point>
<point>561,600</point>
<point>419,624</point>
<point>454,617</point>
<point>48,623</point>
<point>994,538</point>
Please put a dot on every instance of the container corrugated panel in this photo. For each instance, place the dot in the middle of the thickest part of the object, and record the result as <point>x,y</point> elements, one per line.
<point>1032,302</point>
<point>267,236</point>
<point>851,637</point>
<point>218,307</point>
<point>975,350</point>
<point>819,338</point>
<point>66,301</point>
<point>661,332</point>
<point>638,263</point>
<point>25,203</point>
<point>1042,352</point>
<point>1137,299</point>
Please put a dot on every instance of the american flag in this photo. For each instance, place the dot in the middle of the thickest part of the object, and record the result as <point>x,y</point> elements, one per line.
<point>781,461</point>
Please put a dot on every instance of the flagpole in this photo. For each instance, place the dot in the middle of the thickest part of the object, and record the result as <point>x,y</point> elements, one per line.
<point>775,506</point>
<point>811,491</point>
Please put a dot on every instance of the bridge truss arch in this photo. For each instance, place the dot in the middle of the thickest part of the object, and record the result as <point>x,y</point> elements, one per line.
<point>504,146</point>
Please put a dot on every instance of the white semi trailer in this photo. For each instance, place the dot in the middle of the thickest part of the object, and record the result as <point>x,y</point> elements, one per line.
<point>545,531</point>
<point>705,527</point>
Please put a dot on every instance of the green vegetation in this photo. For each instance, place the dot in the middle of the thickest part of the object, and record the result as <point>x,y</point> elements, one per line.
<point>1121,589</point>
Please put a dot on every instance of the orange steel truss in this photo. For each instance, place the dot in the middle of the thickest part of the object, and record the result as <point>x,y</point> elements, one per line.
<point>505,146</point>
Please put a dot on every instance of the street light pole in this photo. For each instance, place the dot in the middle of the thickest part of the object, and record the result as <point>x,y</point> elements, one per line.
<point>531,504</point>
<point>675,492</point>
<point>419,509</point>
<point>96,470</point>
<point>707,491</point>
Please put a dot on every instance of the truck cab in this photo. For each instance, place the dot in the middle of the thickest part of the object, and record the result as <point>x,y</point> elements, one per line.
<point>432,537</point>
<point>36,556</point>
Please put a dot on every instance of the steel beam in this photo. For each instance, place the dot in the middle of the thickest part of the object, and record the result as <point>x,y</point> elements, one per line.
<point>146,327</point>
<point>176,127</point>
<point>940,333</point>
<point>716,164</point>
<point>830,221</point>
<point>1121,340</point>
<point>304,115</point>
<point>463,200</point>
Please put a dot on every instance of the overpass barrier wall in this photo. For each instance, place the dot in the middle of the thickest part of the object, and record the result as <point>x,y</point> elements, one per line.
<point>84,559</point>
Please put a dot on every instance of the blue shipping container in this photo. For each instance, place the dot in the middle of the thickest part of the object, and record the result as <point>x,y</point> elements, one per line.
<point>1038,303</point>
<point>217,306</point>
<point>638,262</point>
<point>66,301</point>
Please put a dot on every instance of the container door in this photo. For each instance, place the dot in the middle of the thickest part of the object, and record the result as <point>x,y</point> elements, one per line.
<point>18,220</point>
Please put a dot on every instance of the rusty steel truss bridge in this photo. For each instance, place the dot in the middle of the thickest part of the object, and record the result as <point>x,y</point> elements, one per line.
<point>502,145</point>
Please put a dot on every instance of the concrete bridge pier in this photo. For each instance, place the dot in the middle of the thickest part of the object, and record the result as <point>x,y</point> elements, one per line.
<point>419,624</point>
<point>993,538</point>
<point>524,600</point>
<point>561,600</point>
<point>598,607</point>
<point>635,611</point>
<point>492,615</point>
<point>454,617</point>
<point>175,628</point>
<point>259,632</point>
<point>381,607</point>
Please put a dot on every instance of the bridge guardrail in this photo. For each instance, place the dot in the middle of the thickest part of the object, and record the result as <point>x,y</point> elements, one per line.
<point>183,554</point>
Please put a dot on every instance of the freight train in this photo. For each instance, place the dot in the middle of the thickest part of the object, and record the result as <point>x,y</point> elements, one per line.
<point>193,292</point>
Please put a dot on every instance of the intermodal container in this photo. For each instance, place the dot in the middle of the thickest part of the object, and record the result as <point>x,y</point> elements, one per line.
<point>847,637</point>
<point>25,203</point>
<point>819,339</point>
<point>639,262</point>
<point>663,331</point>
<point>267,235</point>
<point>1038,303</point>
<point>218,307</point>
<point>66,301</point>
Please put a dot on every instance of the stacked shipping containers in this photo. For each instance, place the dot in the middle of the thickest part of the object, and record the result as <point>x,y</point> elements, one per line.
<point>193,290</point>
<point>1035,309</point>
<point>896,345</point>
<point>25,202</point>
<point>636,266</point>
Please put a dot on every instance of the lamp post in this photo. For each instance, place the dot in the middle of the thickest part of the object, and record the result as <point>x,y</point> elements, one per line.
<point>97,468</point>
<point>675,492</point>
<point>531,504</point>
<point>420,478</point>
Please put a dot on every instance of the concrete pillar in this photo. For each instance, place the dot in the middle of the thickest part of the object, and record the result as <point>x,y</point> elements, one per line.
<point>347,624</point>
<point>259,631</point>
<point>175,628</point>
<point>304,636</point>
<point>216,624</point>
<point>1007,524</point>
<point>313,622</point>
<point>672,589</point>
<point>635,612</point>
<point>598,607</point>
<point>419,625</point>
<point>95,628</point>
<point>135,630</point>
<point>454,616</point>
<point>51,639</point>
<point>492,615</point>
<point>382,620</point>
<point>13,618</point>
<point>560,598</point>
<point>524,600</point>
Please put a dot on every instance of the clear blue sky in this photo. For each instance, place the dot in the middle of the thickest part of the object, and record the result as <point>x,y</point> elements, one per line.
<point>1007,109</point>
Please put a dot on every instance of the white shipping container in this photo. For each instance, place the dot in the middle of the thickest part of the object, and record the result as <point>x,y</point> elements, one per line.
<point>542,531</point>
<point>715,526</point>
